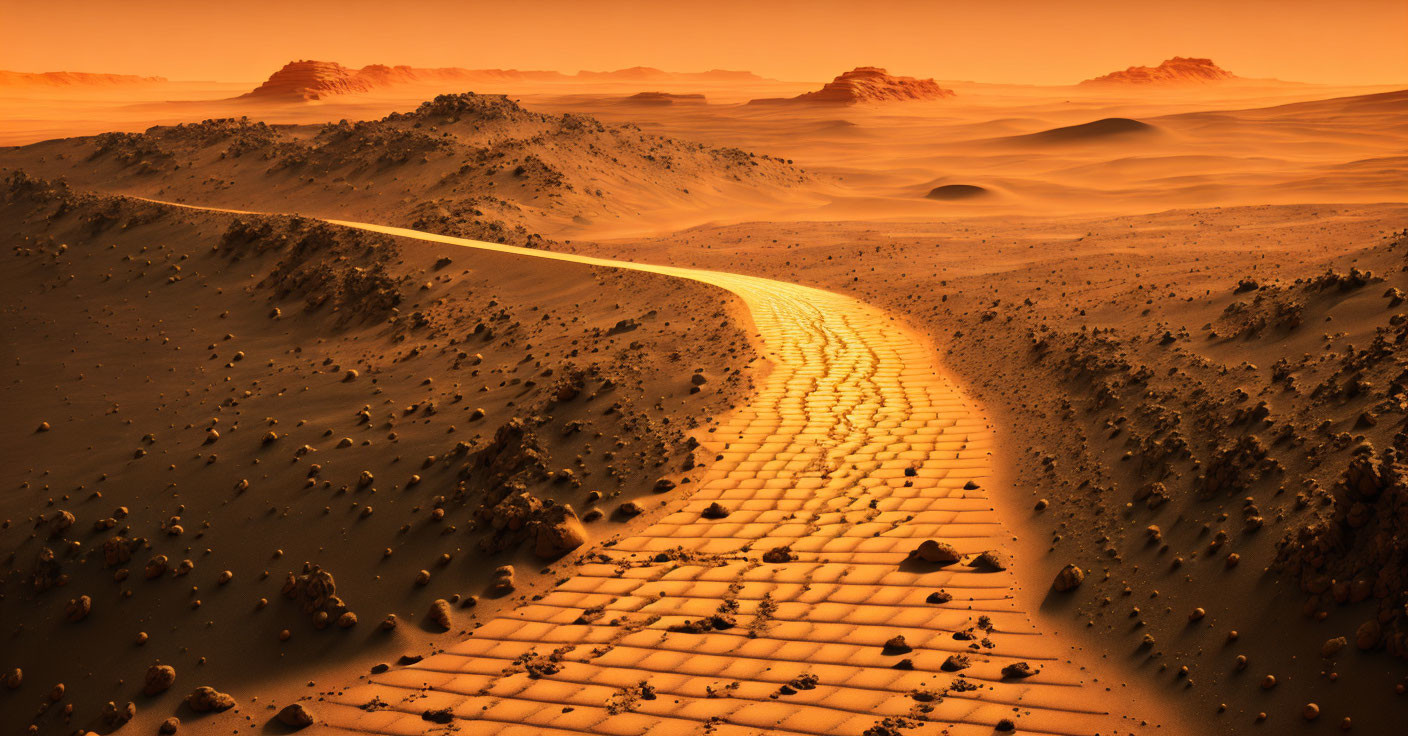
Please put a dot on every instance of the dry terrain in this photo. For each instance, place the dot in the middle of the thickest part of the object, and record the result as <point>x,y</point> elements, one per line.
<point>921,349</point>
<point>238,446</point>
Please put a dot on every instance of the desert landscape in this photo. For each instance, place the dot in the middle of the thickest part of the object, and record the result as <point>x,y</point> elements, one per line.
<point>605,385</point>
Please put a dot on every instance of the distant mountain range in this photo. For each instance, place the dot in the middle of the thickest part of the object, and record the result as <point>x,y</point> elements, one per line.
<point>312,80</point>
<point>73,79</point>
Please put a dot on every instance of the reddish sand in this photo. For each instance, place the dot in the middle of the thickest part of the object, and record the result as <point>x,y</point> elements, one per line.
<point>1181,305</point>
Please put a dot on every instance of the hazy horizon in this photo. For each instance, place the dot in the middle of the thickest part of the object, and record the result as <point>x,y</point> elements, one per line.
<point>1013,42</point>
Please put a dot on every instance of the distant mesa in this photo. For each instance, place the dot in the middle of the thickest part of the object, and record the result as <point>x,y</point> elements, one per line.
<point>950,192</point>
<point>74,79</point>
<point>315,80</point>
<point>866,84</point>
<point>1099,130</point>
<point>663,98</point>
<point>1176,71</point>
<point>312,80</point>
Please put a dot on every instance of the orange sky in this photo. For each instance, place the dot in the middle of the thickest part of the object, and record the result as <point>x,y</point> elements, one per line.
<point>1036,41</point>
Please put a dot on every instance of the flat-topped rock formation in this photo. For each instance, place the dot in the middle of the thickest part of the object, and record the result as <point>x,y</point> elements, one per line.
<point>1178,70</point>
<point>312,80</point>
<point>866,84</point>
<point>663,98</point>
<point>73,79</point>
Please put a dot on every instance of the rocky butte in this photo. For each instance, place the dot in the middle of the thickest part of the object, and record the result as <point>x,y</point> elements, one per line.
<point>868,84</point>
<point>1178,70</point>
<point>311,80</point>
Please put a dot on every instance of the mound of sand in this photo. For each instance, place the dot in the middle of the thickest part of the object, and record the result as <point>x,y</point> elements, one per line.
<point>1091,132</point>
<point>868,84</point>
<point>74,79</point>
<point>1175,71</point>
<point>957,191</point>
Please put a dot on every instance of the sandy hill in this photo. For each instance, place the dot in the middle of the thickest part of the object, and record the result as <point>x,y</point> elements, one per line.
<point>866,84</point>
<point>1175,71</point>
<point>261,425</point>
<point>74,79</point>
<point>473,165</point>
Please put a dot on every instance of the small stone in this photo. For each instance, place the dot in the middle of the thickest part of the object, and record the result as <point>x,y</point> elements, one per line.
<point>991,561</point>
<point>440,613</point>
<point>715,511</point>
<point>1017,670</point>
<point>897,645</point>
<point>296,715</point>
<point>78,608</point>
<point>1069,578</point>
<point>778,555</point>
<point>936,552</point>
<point>159,679</point>
<point>206,699</point>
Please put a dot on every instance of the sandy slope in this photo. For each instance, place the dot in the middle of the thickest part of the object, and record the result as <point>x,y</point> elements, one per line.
<point>484,390</point>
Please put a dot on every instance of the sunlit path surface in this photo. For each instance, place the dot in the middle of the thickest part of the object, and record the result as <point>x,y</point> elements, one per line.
<point>854,450</point>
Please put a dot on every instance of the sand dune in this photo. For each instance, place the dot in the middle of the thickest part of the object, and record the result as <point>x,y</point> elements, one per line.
<point>1096,131</point>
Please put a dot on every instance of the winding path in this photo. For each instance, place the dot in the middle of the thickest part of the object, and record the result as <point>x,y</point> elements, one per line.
<point>855,449</point>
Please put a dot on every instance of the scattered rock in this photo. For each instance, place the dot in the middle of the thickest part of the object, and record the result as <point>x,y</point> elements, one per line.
<point>295,715</point>
<point>897,645</point>
<point>440,613</point>
<point>936,552</point>
<point>715,510</point>
<point>778,555</point>
<point>206,699</point>
<point>159,679</point>
<point>1069,578</point>
<point>1017,671</point>
<point>990,561</point>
